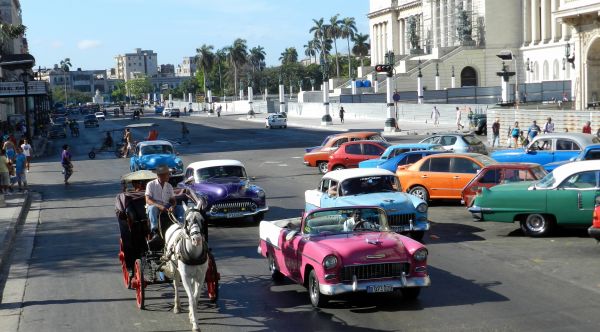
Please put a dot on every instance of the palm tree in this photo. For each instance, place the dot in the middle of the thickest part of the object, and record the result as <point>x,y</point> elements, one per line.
<point>361,46</point>
<point>290,55</point>
<point>257,58</point>
<point>205,58</point>
<point>348,30</point>
<point>333,32</point>
<point>220,56</point>
<point>65,66</point>
<point>237,56</point>
<point>319,31</point>
<point>310,50</point>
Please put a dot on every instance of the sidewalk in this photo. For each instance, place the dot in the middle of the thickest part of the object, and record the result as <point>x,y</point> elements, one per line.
<point>11,217</point>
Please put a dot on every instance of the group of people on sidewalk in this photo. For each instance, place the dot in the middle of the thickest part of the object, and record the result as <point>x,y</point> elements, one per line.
<point>15,162</point>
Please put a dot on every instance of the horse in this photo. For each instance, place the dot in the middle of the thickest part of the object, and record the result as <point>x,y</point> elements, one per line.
<point>186,253</point>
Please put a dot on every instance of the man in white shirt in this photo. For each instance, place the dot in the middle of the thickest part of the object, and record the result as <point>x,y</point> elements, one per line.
<point>27,151</point>
<point>160,197</point>
<point>549,127</point>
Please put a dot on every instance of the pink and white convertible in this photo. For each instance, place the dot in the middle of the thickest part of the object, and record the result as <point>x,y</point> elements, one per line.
<point>343,250</point>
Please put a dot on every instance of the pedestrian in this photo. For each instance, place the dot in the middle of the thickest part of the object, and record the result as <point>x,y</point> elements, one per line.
<point>128,147</point>
<point>515,133</point>
<point>219,111</point>
<point>20,165</point>
<point>496,132</point>
<point>184,132</point>
<point>533,131</point>
<point>27,151</point>
<point>4,172</point>
<point>185,111</point>
<point>9,148</point>
<point>342,111</point>
<point>549,126</point>
<point>459,126</point>
<point>67,164</point>
<point>587,128</point>
<point>435,115</point>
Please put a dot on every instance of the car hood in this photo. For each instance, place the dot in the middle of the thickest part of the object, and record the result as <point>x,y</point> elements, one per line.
<point>153,160</point>
<point>371,163</point>
<point>364,247</point>
<point>224,190</point>
<point>523,185</point>
<point>390,201</point>
<point>508,152</point>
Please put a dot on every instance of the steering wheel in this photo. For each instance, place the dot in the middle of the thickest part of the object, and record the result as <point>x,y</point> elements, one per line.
<point>358,224</point>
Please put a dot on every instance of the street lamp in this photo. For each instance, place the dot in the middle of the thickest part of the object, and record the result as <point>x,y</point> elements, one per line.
<point>312,83</point>
<point>510,56</point>
<point>326,119</point>
<point>26,77</point>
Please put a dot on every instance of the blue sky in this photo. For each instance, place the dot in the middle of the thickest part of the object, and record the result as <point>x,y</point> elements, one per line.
<point>91,33</point>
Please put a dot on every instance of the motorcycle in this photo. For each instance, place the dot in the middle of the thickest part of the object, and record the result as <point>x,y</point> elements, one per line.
<point>136,115</point>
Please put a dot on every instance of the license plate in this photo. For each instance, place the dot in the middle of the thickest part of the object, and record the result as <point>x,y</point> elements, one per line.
<point>380,289</point>
<point>234,215</point>
<point>400,228</point>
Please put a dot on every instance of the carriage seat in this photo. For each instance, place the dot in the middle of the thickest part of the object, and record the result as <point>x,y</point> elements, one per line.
<point>136,209</point>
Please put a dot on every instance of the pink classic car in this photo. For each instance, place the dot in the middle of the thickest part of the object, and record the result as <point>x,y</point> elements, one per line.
<point>343,250</point>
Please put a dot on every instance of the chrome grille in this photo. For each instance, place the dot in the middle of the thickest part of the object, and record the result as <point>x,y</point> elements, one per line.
<point>233,206</point>
<point>374,271</point>
<point>401,219</point>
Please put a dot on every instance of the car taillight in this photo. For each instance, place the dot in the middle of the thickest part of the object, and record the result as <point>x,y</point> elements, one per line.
<point>596,218</point>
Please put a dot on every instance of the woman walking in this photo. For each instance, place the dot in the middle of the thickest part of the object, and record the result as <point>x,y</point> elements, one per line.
<point>66,163</point>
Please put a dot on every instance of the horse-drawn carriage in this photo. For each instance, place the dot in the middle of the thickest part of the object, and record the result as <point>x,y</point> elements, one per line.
<point>112,140</point>
<point>145,262</point>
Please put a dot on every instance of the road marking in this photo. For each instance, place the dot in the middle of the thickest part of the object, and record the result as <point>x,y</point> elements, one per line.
<point>272,162</point>
<point>296,157</point>
<point>283,165</point>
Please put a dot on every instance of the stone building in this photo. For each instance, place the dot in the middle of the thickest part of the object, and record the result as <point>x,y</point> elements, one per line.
<point>140,63</point>
<point>187,68</point>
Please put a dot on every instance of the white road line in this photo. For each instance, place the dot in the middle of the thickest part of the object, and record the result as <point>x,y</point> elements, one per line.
<point>296,157</point>
<point>283,165</point>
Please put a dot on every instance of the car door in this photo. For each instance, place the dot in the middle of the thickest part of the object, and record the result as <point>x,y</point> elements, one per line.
<point>565,149</point>
<point>436,179</point>
<point>462,171</point>
<point>572,202</point>
<point>352,155</point>
<point>313,197</point>
<point>540,151</point>
<point>291,248</point>
<point>369,151</point>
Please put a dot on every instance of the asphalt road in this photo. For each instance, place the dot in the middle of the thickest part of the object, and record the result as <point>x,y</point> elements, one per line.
<point>485,276</point>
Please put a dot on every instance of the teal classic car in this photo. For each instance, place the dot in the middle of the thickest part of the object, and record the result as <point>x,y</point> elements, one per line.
<point>564,197</point>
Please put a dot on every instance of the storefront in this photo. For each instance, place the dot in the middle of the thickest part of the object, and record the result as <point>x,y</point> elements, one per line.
<point>12,105</point>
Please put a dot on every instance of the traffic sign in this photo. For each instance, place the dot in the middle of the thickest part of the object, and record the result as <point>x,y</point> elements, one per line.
<point>396,97</point>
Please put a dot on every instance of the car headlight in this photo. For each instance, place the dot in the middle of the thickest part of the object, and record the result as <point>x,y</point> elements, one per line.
<point>420,255</point>
<point>261,193</point>
<point>422,208</point>
<point>330,262</point>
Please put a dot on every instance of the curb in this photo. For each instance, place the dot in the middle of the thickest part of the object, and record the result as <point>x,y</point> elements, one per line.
<point>9,239</point>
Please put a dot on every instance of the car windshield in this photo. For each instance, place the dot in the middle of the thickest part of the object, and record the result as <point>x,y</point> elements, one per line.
<point>376,138</point>
<point>472,140</point>
<point>221,172</point>
<point>157,149</point>
<point>369,185</point>
<point>539,172</point>
<point>89,117</point>
<point>347,220</point>
<point>485,160</point>
<point>326,140</point>
<point>547,182</point>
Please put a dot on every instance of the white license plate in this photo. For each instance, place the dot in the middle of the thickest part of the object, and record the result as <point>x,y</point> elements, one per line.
<point>234,215</point>
<point>380,289</point>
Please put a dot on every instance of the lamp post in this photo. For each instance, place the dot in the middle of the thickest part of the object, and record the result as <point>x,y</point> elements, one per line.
<point>326,119</point>
<point>250,96</point>
<point>312,83</point>
<point>420,85</point>
<point>390,123</point>
<point>26,77</point>
<point>281,95</point>
<point>505,74</point>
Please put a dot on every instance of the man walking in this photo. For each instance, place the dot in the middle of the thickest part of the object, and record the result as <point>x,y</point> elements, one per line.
<point>342,111</point>
<point>160,197</point>
<point>435,115</point>
<point>549,126</point>
<point>459,126</point>
<point>66,163</point>
<point>128,143</point>
<point>496,132</point>
<point>27,151</point>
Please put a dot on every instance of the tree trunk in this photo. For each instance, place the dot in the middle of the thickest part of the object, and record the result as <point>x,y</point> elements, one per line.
<point>349,61</point>
<point>235,92</point>
<point>337,63</point>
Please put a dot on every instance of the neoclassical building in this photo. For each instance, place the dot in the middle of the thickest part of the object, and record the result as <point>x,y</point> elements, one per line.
<point>461,38</point>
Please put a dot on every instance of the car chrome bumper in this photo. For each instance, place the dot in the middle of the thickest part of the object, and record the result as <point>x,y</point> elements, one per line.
<point>361,286</point>
<point>478,212</point>
<point>594,232</point>
<point>221,215</point>
<point>412,227</point>
<point>306,163</point>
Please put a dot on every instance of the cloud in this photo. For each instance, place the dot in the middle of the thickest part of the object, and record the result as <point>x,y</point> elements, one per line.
<point>87,44</point>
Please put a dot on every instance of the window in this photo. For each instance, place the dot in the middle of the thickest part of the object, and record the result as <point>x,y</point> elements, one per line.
<point>546,71</point>
<point>516,175</point>
<point>372,150</point>
<point>189,172</point>
<point>584,180</point>
<point>448,140</point>
<point>326,184</point>
<point>463,165</point>
<point>555,70</point>
<point>340,142</point>
<point>472,140</point>
<point>375,138</point>
<point>566,145</point>
<point>592,155</point>
<point>491,176</point>
<point>440,165</point>
<point>396,152</point>
<point>353,149</point>
<point>413,158</point>
<point>431,140</point>
<point>425,166</point>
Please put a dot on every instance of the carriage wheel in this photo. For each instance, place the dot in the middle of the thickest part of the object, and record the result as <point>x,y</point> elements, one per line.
<point>124,265</point>
<point>138,283</point>
<point>212,279</point>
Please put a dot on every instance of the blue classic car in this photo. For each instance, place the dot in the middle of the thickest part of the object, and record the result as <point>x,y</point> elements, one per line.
<point>149,154</point>
<point>371,186</point>
<point>590,152</point>
<point>548,148</point>
<point>227,190</point>
<point>396,155</point>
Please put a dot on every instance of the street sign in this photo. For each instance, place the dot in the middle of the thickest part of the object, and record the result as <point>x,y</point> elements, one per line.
<point>396,97</point>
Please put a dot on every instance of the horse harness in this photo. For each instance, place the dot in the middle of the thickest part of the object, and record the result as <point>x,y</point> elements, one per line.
<point>182,253</point>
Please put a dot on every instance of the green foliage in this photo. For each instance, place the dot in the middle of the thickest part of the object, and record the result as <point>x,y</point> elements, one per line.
<point>119,92</point>
<point>75,97</point>
<point>138,87</point>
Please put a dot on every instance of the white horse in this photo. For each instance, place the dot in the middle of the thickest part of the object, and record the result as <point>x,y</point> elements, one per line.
<point>187,254</point>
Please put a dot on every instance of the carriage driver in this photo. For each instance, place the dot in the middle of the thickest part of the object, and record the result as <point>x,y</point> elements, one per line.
<point>161,197</point>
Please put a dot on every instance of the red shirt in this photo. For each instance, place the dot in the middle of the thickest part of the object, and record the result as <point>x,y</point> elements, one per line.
<point>587,129</point>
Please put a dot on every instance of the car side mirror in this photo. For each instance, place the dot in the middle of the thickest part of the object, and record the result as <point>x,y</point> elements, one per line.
<point>290,235</point>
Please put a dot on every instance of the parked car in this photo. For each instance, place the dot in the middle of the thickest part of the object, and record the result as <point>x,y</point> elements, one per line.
<point>406,158</point>
<point>319,156</point>
<point>456,142</point>
<point>395,150</point>
<point>159,109</point>
<point>548,148</point>
<point>590,152</point>
<point>371,186</point>
<point>478,123</point>
<point>149,154</point>
<point>566,196</point>
<point>350,154</point>
<point>495,174</point>
<point>90,121</point>
<point>100,115</point>
<point>226,188</point>
<point>171,112</point>
<point>594,230</point>
<point>57,131</point>
<point>344,250</point>
<point>441,176</point>
<point>276,120</point>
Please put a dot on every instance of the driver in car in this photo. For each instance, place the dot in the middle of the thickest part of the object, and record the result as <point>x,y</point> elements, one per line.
<point>351,222</point>
<point>160,197</point>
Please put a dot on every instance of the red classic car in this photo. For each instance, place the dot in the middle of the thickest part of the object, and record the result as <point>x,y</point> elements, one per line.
<point>594,230</point>
<point>494,174</point>
<point>350,154</point>
<point>343,250</point>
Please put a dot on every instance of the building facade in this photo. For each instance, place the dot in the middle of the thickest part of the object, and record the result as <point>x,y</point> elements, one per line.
<point>140,63</point>
<point>187,67</point>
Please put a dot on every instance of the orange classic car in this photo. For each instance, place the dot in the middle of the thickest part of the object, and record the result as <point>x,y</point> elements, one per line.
<point>318,156</point>
<point>441,176</point>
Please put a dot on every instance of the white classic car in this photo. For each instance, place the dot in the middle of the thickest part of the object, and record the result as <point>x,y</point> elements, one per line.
<point>276,120</point>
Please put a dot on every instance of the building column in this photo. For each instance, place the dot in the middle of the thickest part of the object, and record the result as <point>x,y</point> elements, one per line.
<point>374,43</point>
<point>435,26</point>
<point>545,4</point>
<point>535,22</point>
<point>401,35</point>
<point>385,39</point>
<point>566,32</point>
<point>443,23</point>
<point>526,22</point>
<point>555,27</point>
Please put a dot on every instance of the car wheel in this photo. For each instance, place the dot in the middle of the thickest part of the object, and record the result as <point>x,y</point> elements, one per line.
<point>417,235</point>
<point>275,274</point>
<point>420,192</point>
<point>285,126</point>
<point>316,298</point>
<point>338,168</point>
<point>410,293</point>
<point>323,167</point>
<point>537,225</point>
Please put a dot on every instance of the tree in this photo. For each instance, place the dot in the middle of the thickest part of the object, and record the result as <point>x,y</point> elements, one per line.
<point>237,56</point>
<point>319,31</point>
<point>333,32</point>
<point>220,57</point>
<point>205,59</point>
<point>189,85</point>
<point>58,95</point>
<point>257,58</point>
<point>8,32</point>
<point>361,46</point>
<point>65,66</point>
<point>348,30</point>
<point>119,91</point>
<point>310,49</point>
<point>289,55</point>
<point>138,87</point>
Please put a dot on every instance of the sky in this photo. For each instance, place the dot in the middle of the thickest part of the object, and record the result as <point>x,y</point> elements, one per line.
<point>92,33</point>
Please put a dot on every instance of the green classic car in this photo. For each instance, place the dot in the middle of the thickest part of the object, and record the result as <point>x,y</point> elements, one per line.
<point>564,197</point>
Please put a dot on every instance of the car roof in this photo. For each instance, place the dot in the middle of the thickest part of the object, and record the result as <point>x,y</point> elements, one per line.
<point>212,163</point>
<point>413,146</point>
<point>425,151</point>
<point>585,139</point>
<point>466,154</point>
<point>563,171</point>
<point>355,134</point>
<point>384,143</point>
<point>345,174</point>
<point>450,134</point>
<point>513,165</point>
<point>157,142</point>
<point>593,146</point>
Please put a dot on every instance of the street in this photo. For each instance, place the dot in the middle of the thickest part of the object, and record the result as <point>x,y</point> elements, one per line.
<point>485,276</point>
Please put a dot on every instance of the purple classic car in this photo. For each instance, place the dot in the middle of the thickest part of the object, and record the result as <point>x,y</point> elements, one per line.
<point>227,190</point>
